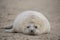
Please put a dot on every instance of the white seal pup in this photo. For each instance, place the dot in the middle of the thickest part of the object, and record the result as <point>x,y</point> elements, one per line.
<point>31,22</point>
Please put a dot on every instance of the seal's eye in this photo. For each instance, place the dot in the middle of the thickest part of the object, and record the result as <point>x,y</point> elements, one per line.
<point>28,26</point>
<point>35,26</point>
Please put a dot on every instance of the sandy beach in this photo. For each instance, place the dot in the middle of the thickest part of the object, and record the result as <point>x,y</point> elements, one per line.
<point>9,9</point>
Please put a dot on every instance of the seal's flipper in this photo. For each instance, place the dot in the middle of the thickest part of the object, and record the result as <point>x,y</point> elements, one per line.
<point>8,27</point>
<point>9,30</point>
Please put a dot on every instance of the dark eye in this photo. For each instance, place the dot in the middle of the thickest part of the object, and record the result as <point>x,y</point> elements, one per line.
<point>28,26</point>
<point>35,26</point>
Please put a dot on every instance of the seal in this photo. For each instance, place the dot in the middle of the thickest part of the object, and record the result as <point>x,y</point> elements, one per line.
<point>30,22</point>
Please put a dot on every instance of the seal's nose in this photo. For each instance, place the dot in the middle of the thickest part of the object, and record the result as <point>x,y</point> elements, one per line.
<point>32,31</point>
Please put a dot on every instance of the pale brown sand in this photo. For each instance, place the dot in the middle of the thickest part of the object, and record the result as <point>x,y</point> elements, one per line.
<point>9,9</point>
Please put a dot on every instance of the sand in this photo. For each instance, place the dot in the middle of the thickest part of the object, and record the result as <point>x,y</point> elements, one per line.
<point>9,9</point>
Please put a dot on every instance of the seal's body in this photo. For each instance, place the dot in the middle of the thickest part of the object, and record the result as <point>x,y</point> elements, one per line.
<point>31,22</point>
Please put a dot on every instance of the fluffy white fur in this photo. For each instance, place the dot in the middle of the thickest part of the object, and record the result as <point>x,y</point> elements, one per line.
<point>28,18</point>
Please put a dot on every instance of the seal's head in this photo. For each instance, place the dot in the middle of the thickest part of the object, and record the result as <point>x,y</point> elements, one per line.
<point>32,29</point>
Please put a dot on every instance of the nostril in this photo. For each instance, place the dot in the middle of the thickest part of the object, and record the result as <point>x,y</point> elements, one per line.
<point>31,30</point>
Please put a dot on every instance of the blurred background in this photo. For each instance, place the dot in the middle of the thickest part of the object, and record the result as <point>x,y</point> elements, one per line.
<point>9,9</point>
